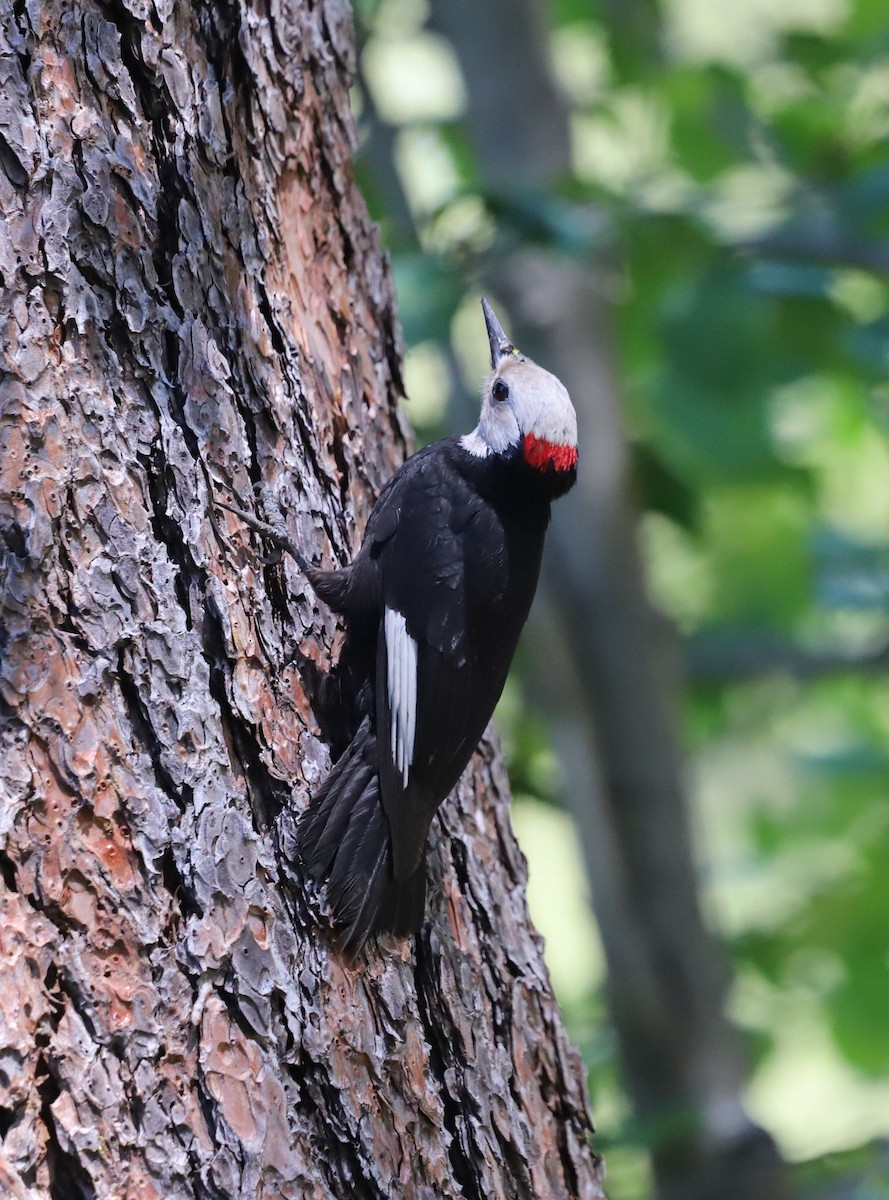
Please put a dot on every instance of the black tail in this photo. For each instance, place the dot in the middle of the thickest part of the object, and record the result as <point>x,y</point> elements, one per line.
<point>344,838</point>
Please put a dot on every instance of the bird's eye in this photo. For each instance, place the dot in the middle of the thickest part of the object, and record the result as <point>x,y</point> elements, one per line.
<point>500,391</point>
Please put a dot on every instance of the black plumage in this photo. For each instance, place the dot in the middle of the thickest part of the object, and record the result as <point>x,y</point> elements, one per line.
<point>434,603</point>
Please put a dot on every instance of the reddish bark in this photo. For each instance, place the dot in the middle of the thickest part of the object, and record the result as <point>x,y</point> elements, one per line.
<point>194,301</point>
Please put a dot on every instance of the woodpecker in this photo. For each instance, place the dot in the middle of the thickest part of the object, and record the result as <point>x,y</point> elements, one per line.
<point>433,603</point>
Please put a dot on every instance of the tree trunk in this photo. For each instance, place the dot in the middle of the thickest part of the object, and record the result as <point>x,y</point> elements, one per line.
<point>194,301</point>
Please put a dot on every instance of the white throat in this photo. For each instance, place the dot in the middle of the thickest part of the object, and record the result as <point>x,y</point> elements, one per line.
<point>494,434</point>
<point>475,444</point>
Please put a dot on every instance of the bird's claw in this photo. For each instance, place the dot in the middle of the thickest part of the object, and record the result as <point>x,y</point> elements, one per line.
<point>275,532</point>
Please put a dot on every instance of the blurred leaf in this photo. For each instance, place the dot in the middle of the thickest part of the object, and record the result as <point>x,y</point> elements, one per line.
<point>571,12</point>
<point>429,291</point>
<point>765,950</point>
<point>712,392</point>
<point>542,218</point>
<point>453,136</point>
<point>634,35</point>
<point>813,51</point>
<point>867,24</point>
<point>868,346</point>
<point>773,278</point>
<point>852,919</point>
<point>757,535</point>
<point>812,134</point>
<point>858,1009</point>
<point>533,770</point>
<point>850,574</point>
<point>863,199</point>
<point>711,122</point>
<point>861,1173</point>
<point>660,489</point>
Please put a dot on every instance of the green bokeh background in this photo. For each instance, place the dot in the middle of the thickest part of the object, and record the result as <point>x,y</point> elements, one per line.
<point>739,179</point>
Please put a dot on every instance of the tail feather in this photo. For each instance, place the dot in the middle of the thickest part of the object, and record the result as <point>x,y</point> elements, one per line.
<point>404,904</point>
<point>344,838</point>
<point>324,826</point>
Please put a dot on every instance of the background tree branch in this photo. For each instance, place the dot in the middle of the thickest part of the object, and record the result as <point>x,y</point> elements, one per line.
<point>607,664</point>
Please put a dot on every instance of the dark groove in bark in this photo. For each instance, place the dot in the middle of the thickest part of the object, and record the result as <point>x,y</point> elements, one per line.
<point>7,871</point>
<point>66,622</point>
<point>12,168</point>
<point>176,885</point>
<point>68,1178</point>
<point>159,477</point>
<point>81,1002</point>
<point>267,795</point>
<point>204,1189</point>
<point>20,12</point>
<point>140,722</point>
<point>300,896</point>
<point>443,1060</point>
<point>145,83</point>
<point>176,393</point>
<point>337,1146</point>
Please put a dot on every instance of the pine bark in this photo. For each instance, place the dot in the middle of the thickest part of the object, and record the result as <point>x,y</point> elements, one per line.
<point>194,302</point>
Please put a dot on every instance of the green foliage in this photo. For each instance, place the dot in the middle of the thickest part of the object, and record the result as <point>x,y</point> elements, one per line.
<point>757,534</point>
<point>711,123</point>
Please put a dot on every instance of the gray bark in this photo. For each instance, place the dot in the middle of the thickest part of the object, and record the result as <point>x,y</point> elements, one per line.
<point>193,302</point>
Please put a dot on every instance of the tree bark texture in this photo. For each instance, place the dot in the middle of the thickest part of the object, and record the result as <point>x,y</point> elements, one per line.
<point>194,302</point>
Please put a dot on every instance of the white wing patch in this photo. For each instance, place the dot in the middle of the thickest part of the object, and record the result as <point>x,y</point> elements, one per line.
<point>401,685</point>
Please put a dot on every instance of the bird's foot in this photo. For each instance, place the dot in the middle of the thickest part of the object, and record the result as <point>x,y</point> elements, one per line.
<point>274,531</point>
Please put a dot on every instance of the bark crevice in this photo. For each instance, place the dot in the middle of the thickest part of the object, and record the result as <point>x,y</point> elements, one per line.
<point>68,1177</point>
<point>456,1109</point>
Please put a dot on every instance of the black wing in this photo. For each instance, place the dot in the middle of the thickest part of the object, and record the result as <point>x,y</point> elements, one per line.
<point>441,657</point>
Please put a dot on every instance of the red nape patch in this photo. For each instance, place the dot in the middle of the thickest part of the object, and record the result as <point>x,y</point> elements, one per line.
<point>542,454</point>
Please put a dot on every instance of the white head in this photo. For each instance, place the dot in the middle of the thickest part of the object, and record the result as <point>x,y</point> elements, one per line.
<point>523,406</point>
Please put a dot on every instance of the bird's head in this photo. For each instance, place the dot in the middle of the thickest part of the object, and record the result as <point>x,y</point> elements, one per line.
<point>526,411</point>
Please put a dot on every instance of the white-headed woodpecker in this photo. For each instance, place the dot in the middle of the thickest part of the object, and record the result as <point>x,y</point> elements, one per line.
<point>434,603</point>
